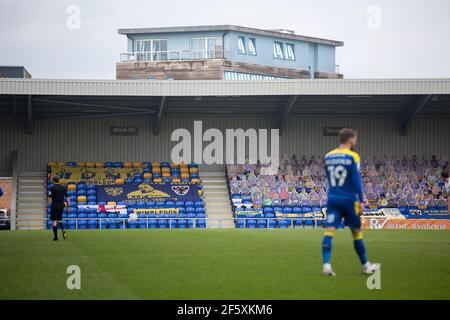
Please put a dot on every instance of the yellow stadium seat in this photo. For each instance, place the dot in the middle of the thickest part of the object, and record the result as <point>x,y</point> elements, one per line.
<point>80,164</point>
<point>156,170</point>
<point>195,180</point>
<point>81,198</point>
<point>61,164</point>
<point>147,175</point>
<point>157,180</point>
<point>176,180</point>
<point>71,187</point>
<point>128,164</point>
<point>120,181</point>
<point>184,170</point>
<point>174,165</point>
<point>193,170</point>
<point>166,174</point>
<point>51,164</point>
<point>156,164</point>
<point>137,164</point>
<point>111,203</point>
<point>184,175</point>
<point>165,170</point>
<point>90,164</point>
<point>99,164</point>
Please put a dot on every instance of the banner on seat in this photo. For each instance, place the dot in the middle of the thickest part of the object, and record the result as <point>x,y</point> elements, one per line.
<point>99,176</point>
<point>144,192</point>
<point>157,211</point>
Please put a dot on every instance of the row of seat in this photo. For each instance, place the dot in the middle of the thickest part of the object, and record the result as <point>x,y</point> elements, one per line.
<point>277,223</point>
<point>117,223</point>
<point>122,164</point>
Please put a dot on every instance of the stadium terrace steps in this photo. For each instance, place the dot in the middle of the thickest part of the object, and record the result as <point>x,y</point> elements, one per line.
<point>31,201</point>
<point>217,199</point>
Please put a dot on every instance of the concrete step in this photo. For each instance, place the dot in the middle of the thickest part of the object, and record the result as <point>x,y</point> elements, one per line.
<point>218,197</point>
<point>32,182</point>
<point>214,183</point>
<point>34,206</point>
<point>204,174</point>
<point>31,198</point>
<point>31,226</point>
<point>40,210</point>
<point>27,187</point>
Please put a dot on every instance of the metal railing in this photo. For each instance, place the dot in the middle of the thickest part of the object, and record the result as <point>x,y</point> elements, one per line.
<point>171,223</point>
<point>174,55</point>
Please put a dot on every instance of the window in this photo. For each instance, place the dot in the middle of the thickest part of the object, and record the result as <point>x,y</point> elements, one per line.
<point>206,48</point>
<point>151,50</point>
<point>290,53</point>
<point>252,46</point>
<point>241,45</point>
<point>278,50</point>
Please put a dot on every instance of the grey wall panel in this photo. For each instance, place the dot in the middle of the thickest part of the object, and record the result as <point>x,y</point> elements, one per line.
<point>89,140</point>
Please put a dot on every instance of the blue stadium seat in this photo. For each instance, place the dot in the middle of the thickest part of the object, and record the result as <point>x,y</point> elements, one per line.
<point>199,210</point>
<point>118,164</point>
<point>170,204</point>
<point>160,204</point>
<point>71,224</point>
<point>132,224</point>
<point>92,224</point>
<point>283,224</point>
<point>190,220</point>
<point>108,164</point>
<point>172,220</point>
<point>82,224</point>
<point>201,223</point>
<point>142,223</point>
<point>113,222</point>
<point>261,223</point>
<point>250,223</point>
<point>162,222</point>
<point>199,204</point>
<point>179,204</point>
<point>189,204</point>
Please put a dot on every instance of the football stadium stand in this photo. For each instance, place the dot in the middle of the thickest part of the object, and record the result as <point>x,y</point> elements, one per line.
<point>296,194</point>
<point>114,195</point>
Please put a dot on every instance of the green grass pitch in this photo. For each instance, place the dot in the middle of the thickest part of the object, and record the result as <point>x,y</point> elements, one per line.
<point>221,264</point>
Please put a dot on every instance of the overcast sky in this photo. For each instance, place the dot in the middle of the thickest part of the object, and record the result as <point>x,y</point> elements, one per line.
<point>382,38</point>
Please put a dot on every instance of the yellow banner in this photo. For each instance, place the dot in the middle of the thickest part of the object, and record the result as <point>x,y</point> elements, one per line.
<point>93,175</point>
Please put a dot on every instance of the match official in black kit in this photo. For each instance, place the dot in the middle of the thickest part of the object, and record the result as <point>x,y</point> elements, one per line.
<point>57,195</point>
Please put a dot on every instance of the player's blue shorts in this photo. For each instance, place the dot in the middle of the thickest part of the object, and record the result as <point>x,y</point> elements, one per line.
<point>340,209</point>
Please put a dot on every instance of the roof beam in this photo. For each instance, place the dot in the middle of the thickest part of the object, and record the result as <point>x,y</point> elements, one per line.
<point>29,120</point>
<point>285,112</point>
<point>157,124</point>
<point>409,116</point>
<point>92,105</point>
<point>102,115</point>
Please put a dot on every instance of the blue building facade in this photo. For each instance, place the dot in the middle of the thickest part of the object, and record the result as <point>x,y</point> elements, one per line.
<point>225,52</point>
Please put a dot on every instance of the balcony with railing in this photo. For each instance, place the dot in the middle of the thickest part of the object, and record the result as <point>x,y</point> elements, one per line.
<point>174,55</point>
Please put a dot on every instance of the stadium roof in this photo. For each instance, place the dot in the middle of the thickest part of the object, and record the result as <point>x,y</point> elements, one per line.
<point>37,99</point>
<point>270,33</point>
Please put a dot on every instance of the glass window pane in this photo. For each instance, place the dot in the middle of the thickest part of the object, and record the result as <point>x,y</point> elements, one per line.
<point>290,51</point>
<point>241,45</point>
<point>252,46</point>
